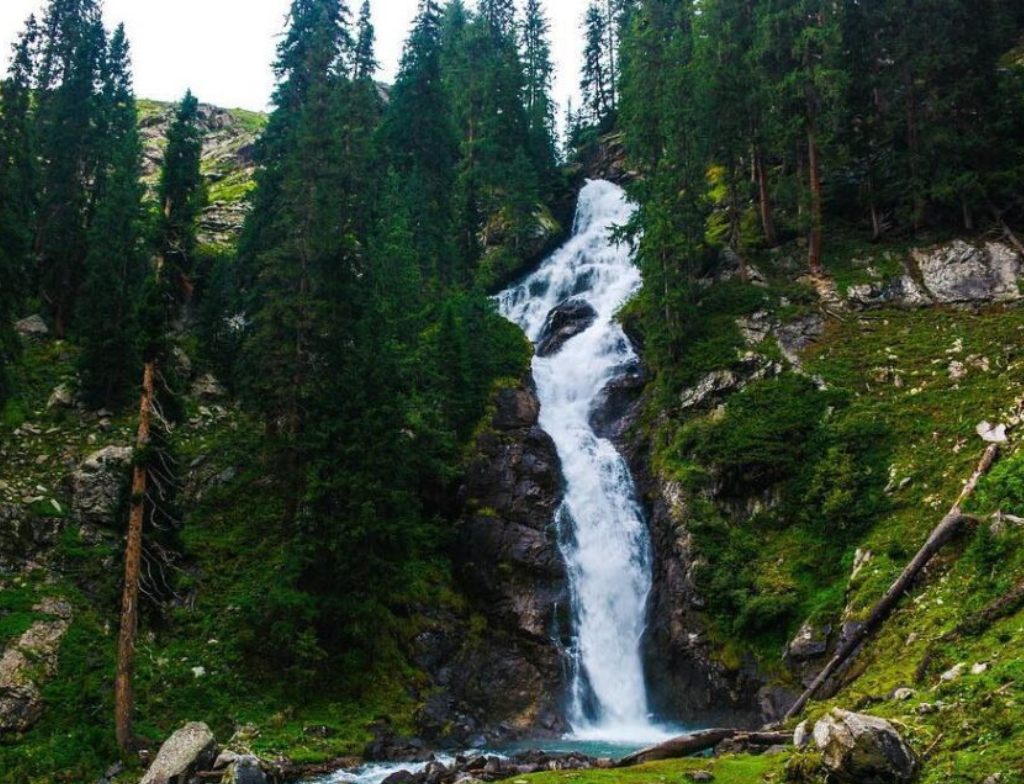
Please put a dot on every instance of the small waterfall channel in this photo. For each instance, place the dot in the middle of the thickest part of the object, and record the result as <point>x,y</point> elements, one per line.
<point>603,537</point>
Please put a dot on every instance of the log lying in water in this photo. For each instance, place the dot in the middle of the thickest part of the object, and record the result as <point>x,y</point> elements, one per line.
<point>696,742</point>
<point>950,525</point>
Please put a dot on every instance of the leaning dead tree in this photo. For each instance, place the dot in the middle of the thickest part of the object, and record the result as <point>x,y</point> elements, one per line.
<point>950,525</point>
<point>124,699</point>
<point>697,742</point>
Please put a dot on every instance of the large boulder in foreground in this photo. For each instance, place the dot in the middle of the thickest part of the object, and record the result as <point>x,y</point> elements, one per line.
<point>190,749</point>
<point>862,749</point>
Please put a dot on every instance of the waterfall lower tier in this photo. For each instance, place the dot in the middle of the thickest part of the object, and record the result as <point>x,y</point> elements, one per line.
<point>568,306</point>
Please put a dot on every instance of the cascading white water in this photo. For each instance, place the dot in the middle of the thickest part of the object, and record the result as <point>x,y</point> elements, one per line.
<point>604,540</point>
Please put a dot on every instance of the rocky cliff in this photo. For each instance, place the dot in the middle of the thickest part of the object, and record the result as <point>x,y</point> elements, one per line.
<point>229,163</point>
<point>498,672</point>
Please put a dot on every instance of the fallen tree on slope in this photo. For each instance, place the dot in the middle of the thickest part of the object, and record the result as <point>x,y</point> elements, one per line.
<point>950,525</point>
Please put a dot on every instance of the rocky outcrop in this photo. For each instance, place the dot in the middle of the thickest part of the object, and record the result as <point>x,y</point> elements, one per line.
<point>862,749</point>
<point>505,678</point>
<point>958,273</point>
<point>607,160</point>
<point>98,485</point>
<point>187,751</point>
<point>28,663</point>
<point>229,163</point>
<point>688,682</point>
<point>564,323</point>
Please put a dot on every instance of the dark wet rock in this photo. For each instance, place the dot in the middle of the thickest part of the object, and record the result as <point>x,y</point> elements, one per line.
<point>864,749</point>
<point>608,160</point>
<point>505,679</point>
<point>617,405</point>
<point>401,777</point>
<point>564,323</point>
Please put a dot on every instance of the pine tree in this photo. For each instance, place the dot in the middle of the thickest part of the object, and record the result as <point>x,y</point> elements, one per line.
<point>418,141</point>
<point>69,127</point>
<point>182,197</point>
<point>596,83</point>
<point>365,59</point>
<point>538,76</point>
<point>17,193</point>
<point>105,318</point>
<point>500,15</point>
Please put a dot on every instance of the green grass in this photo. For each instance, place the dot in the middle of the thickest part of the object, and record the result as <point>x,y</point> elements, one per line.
<point>726,770</point>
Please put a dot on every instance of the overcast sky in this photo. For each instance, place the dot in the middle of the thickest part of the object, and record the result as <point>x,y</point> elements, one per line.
<point>222,49</point>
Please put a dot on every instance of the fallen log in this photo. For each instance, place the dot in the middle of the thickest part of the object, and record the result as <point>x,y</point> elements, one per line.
<point>697,742</point>
<point>950,525</point>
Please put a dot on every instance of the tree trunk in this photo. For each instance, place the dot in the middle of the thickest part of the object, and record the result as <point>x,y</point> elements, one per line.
<point>697,742</point>
<point>767,209</point>
<point>968,215</point>
<point>814,178</point>
<point>876,222</point>
<point>124,698</point>
<point>736,227</point>
<point>950,525</point>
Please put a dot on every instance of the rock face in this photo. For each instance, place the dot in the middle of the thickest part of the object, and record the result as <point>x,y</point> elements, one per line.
<point>509,562</point>
<point>863,749</point>
<point>98,485</point>
<point>957,273</point>
<point>563,323</point>
<point>228,162</point>
<point>690,684</point>
<point>187,751</point>
<point>28,663</point>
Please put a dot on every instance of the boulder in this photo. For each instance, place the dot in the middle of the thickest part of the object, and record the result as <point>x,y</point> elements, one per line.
<point>244,769</point>
<point>97,486</point>
<point>957,273</point>
<point>798,334</point>
<point>963,273</point>
<point>32,328</point>
<point>61,397</point>
<point>862,749</point>
<point>28,663</point>
<point>615,407</point>
<point>564,323</point>
<point>714,385</point>
<point>810,642</point>
<point>207,387</point>
<point>190,749</point>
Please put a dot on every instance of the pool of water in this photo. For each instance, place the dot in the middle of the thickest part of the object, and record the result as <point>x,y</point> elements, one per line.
<point>376,772</point>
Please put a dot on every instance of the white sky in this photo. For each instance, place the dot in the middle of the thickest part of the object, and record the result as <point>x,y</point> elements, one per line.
<point>222,49</point>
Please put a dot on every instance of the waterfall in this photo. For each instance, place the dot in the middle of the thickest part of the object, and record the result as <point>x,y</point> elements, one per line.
<point>602,534</point>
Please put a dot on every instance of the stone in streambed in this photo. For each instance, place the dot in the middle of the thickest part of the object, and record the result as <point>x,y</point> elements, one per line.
<point>564,323</point>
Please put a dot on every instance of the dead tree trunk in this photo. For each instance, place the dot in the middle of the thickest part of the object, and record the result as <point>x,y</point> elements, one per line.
<point>696,742</point>
<point>950,525</point>
<point>814,174</point>
<point>765,196</point>
<point>124,698</point>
